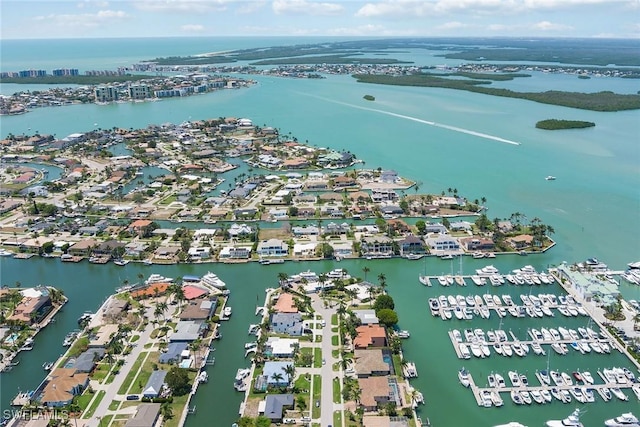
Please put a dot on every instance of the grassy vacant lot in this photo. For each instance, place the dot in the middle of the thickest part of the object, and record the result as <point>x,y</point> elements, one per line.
<point>317,357</point>
<point>317,389</point>
<point>132,373</point>
<point>89,412</point>
<point>337,391</point>
<point>145,373</point>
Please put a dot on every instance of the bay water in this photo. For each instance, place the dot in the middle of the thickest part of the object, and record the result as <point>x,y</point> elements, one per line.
<point>441,138</point>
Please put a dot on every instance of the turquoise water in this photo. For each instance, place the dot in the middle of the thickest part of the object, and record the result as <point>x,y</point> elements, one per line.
<point>593,206</point>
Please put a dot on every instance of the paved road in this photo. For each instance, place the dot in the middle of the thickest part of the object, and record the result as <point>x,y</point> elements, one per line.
<point>112,389</point>
<point>327,373</point>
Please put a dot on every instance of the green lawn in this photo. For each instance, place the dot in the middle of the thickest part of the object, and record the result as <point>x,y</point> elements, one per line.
<point>114,405</point>
<point>89,412</point>
<point>145,373</point>
<point>302,382</point>
<point>317,389</point>
<point>178,404</point>
<point>132,373</point>
<point>84,399</point>
<point>101,372</point>
<point>334,319</point>
<point>337,418</point>
<point>335,340</point>
<point>135,338</point>
<point>397,364</point>
<point>106,420</point>
<point>337,391</point>
<point>317,357</point>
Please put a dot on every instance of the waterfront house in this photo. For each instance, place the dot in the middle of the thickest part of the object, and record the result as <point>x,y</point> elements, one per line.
<point>370,363</point>
<point>370,336</point>
<point>245,213</point>
<point>107,248</point>
<point>375,392</point>
<point>285,304</point>
<point>115,309</point>
<point>103,336</point>
<point>411,245</point>
<point>240,230</point>
<point>234,252</point>
<point>435,227</point>
<point>31,308</point>
<point>273,247</point>
<point>146,415</point>
<point>398,226</point>
<point>384,421</point>
<point>174,352</point>
<point>520,242</point>
<point>135,249</point>
<point>281,347</point>
<point>305,230</point>
<point>200,253</point>
<point>443,243</point>
<point>379,195</point>
<point>477,244</point>
<point>342,249</point>
<point>340,182</point>
<point>275,375</point>
<point>336,229</point>
<point>188,330</point>
<point>198,309</point>
<point>65,383</point>
<point>275,405</point>
<point>168,253</point>
<point>389,177</point>
<point>505,226</point>
<point>152,290</point>
<point>390,210</point>
<point>460,226</point>
<point>140,227</point>
<point>318,185</point>
<point>87,360</point>
<point>366,317</point>
<point>34,245</point>
<point>192,292</point>
<point>304,250</point>
<point>286,323</point>
<point>154,385</point>
<point>376,245</point>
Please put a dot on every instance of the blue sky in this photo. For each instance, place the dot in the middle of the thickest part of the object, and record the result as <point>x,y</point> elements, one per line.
<point>380,18</point>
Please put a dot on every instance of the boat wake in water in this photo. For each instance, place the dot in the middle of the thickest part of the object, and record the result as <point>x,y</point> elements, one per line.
<point>426,122</point>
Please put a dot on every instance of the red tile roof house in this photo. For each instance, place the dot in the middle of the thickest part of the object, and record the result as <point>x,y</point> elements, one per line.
<point>139,225</point>
<point>64,385</point>
<point>285,304</point>
<point>370,336</point>
<point>375,392</point>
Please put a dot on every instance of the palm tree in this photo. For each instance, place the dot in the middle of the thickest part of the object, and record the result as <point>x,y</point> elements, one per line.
<point>282,278</point>
<point>167,411</point>
<point>382,278</point>
<point>365,270</point>
<point>277,377</point>
<point>163,307</point>
<point>290,371</point>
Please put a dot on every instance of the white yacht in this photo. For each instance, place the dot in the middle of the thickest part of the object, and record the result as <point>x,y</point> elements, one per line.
<point>211,279</point>
<point>227,311</point>
<point>624,420</point>
<point>463,376</point>
<point>157,278</point>
<point>572,420</point>
<point>338,273</point>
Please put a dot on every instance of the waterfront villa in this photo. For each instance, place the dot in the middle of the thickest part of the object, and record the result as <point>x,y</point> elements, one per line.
<point>234,252</point>
<point>274,405</point>
<point>65,383</point>
<point>370,363</point>
<point>275,375</point>
<point>176,351</point>
<point>285,304</point>
<point>443,243</point>
<point>375,392</point>
<point>287,323</point>
<point>31,308</point>
<point>273,247</point>
<point>370,336</point>
<point>366,317</point>
<point>198,309</point>
<point>187,330</point>
<point>153,388</point>
<point>411,245</point>
<point>146,416</point>
<point>376,245</point>
<point>281,347</point>
<point>520,242</point>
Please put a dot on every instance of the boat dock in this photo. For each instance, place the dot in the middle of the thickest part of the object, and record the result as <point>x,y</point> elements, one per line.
<point>478,391</point>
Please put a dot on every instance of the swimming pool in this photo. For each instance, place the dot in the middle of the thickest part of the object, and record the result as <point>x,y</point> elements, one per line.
<point>186,363</point>
<point>11,339</point>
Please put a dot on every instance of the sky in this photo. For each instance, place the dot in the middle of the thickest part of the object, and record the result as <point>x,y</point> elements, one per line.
<point>36,19</point>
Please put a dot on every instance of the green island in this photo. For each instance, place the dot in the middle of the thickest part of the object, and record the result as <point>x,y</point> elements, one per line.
<point>330,59</point>
<point>498,77</point>
<point>73,80</point>
<point>369,97</point>
<point>599,101</point>
<point>555,124</point>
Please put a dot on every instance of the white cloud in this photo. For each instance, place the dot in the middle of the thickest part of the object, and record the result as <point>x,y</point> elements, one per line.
<point>93,3</point>
<point>549,26</point>
<point>453,25</point>
<point>247,7</point>
<point>421,8</point>
<point>83,19</point>
<point>304,7</point>
<point>181,6</point>
<point>192,28</point>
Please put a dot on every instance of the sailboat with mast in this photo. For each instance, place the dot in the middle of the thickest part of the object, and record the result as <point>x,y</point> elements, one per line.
<point>423,278</point>
<point>543,376</point>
